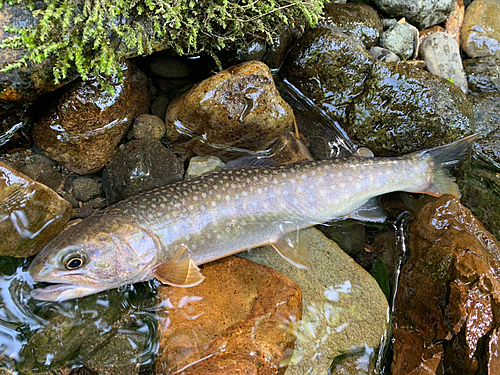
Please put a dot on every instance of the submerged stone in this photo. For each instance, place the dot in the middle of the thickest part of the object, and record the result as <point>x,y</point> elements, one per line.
<point>345,311</point>
<point>31,214</point>
<point>235,111</point>
<point>445,318</point>
<point>483,74</point>
<point>82,129</point>
<point>137,166</point>
<point>392,109</point>
<point>239,320</point>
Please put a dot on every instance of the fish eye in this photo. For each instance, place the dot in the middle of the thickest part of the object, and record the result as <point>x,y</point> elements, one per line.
<point>74,260</point>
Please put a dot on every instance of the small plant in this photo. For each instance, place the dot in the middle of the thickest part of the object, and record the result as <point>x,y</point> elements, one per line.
<point>93,36</point>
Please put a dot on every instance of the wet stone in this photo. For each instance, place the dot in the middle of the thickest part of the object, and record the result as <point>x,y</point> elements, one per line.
<point>442,57</point>
<point>148,126</point>
<point>480,33</point>
<point>85,189</point>
<point>169,67</point>
<point>421,13</point>
<point>239,320</point>
<point>31,214</point>
<point>42,169</point>
<point>275,54</point>
<point>483,74</point>
<point>383,54</point>
<point>345,312</point>
<point>449,294</point>
<point>83,127</point>
<point>360,20</point>
<point>159,106</point>
<point>392,109</point>
<point>237,110</point>
<point>138,166</point>
<point>402,39</point>
<point>200,165</point>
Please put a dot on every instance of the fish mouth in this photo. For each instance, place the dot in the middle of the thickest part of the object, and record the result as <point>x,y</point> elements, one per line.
<point>64,291</point>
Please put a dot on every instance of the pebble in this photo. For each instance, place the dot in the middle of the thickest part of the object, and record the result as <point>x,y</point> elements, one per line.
<point>480,33</point>
<point>402,39</point>
<point>85,189</point>
<point>442,57</point>
<point>200,165</point>
<point>41,169</point>
<point>384,55</point>
<point>148,126</point>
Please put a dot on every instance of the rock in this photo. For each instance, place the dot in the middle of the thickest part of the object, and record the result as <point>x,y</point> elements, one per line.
<point>422,34</point>
<point>159,106</point>
<point>487,114</point>
<point>392,109</point>
<point>85,189</point>
<point>166,66</point>
<point>422,13</point>
<point>31,214</point>
<point>83,127</point>
<point>27,83</point>
<point>359,20</point>
<point>200,165</point>
<point>148,126</point>
<point>138,166</point>
<point>42,169</point>
<point>402,39</point>
<point>480,33</point>
<point>238,109</point>
<point>344,308</point>
<point>479,178</point>
<point>254,50</point>
<point>349,235</point>
<point>454,21</point>
<point>239,320</point>
<point>445,314</point>
<point>442,57</point>
<point>276,53</point>
<point>483,74</point>
<point>384,55</point>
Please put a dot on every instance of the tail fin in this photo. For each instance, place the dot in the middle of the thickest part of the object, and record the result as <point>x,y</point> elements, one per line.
<point>445,158</point>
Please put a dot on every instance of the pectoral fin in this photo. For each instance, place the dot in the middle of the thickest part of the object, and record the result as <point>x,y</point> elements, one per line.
<point>182,273</point>
<point>293,247</point>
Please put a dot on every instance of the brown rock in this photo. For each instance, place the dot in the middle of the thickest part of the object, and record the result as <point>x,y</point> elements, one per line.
<point>31,214</point>
<point>446,308</point>
<point>238,108</point>
<point>85,125</point>
<point>239,320</point>
<point>454,21</point>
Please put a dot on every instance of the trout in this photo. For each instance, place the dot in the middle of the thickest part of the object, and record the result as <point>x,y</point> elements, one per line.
<point>166,233</point>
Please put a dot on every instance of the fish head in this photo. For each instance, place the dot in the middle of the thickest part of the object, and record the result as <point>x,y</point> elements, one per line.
<point>99,253</point>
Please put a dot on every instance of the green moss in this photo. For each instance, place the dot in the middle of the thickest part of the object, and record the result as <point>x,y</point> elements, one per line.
<point>93,36</point>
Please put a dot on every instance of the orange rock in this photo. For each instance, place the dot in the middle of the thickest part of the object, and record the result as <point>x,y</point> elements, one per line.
<point>454,21</point>
<point>446,306</point>
<point>239,320</point>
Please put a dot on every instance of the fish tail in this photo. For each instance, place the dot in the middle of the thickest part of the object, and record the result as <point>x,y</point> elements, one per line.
<point>444,160</point>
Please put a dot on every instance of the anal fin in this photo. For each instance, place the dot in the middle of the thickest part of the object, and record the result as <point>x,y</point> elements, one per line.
<point>369,211</point>
<point>293,247</point>
<point>182,273</point>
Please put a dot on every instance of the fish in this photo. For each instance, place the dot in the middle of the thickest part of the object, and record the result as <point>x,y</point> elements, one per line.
<point>168,232</point>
